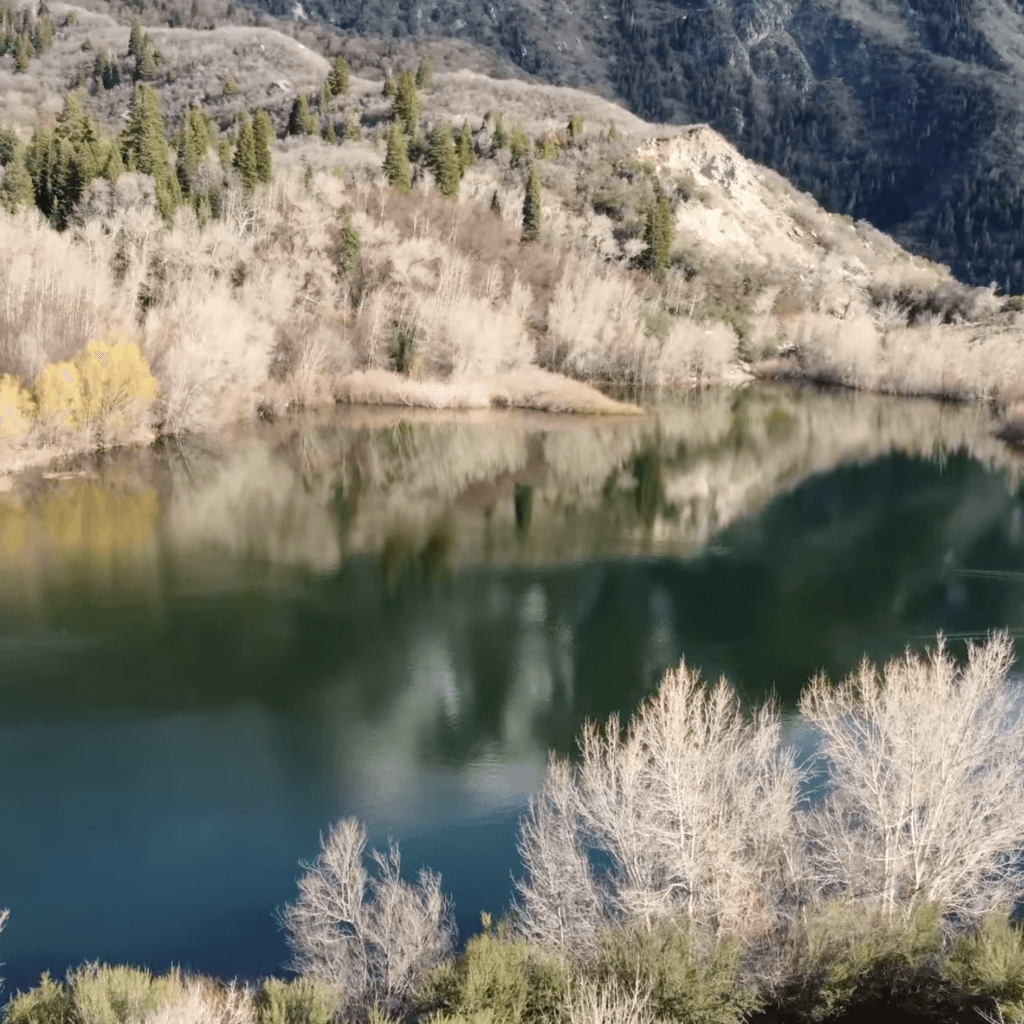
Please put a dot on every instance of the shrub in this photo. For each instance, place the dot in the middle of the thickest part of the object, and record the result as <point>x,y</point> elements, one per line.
<point>300,1001</point>
<point>16,415</point>
<point>375,938</point>
<point>989,961</point>
<point>503,980</point>
<point>844,956</point>
<point>48,1003</point>
<point>685,979</point>
<point>118,995</point>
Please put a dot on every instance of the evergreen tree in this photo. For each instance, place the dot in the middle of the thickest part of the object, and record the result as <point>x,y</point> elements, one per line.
<point>500,140</point>
<point>344,252</point>
<point>338,79</point>
<point>495,203</point>
<point>353,129</point>
<point>390,87</point>
<point>145,62</point>
<point>575,126</point>
<point>22,53</point>
<point>396,160</point>
<point>325,97</point>
<point>244,160</point>
<point>531,208</point>
<point>112,166</point>
<point>144,146</point>
<point>658,233</point>
<point>444,161</point>
<point>330,135</point>
<point>135,38</point>
<point>425,73</point>
<point>300,120</point>
<point>16,190</point>
<point>143,141</point>
<point>406,105</point>
<point>263,135</point>
<point>518,144</point>
<point>8,145</point>
<point>465,148</point>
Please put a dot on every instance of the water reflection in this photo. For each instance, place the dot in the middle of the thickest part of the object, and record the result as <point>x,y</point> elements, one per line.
<point>211,650</point>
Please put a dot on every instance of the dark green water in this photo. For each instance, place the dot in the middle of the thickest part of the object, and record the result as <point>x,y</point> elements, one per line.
<point>212,650</point>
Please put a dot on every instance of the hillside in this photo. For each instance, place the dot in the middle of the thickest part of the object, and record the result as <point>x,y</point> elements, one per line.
<point>658,256</point>
<point>902,112</point>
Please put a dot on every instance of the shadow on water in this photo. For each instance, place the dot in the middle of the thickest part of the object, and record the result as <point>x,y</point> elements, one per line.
<point>211,650</point>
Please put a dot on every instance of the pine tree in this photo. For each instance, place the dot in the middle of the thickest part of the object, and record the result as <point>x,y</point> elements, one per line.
<point>500,140</point>
<point>263,135</point>
<point>330,135</point>
<point>531,208</point>
<point>465,148</point>
<point>396,160</point>
<point>244,160</point>
<point>8,145</point>
<point>353,129</point>
<point>16,190</point>
<point>325,97</point>
<point>658,233</point>
<point>406,106</point>
<point>495,203</point>
<point>144,145</point>
<point>135,39</point>
<point>145,62</point>
<point>22,53</point>
<point>338,79</point>
<point>575,127</point>
<point>425,73</point>
<point>444,161</point>
<point>390,87</point>
<point>300,120</point>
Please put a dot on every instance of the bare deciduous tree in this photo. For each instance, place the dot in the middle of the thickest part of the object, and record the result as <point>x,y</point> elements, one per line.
<point>375,937</point>
<point>927,791</point>
<point>695,809</point>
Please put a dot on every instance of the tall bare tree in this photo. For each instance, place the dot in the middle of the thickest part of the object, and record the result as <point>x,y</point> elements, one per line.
<point>927,789</point>
<point>374,937</point>
<point>694,811</point>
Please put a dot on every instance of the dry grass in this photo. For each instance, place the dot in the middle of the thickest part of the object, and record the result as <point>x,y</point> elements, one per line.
<point>527,389</point>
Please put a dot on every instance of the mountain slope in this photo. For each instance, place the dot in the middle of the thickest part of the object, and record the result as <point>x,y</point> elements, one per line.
<point>904,112</point>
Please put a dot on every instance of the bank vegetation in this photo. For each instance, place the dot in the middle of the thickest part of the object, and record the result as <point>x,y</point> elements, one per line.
<point>430,239</point>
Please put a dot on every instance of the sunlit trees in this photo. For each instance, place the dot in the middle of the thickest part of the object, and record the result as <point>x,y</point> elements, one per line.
<point>339,76</point>
<point>376,937</point>
<point>926,769</point>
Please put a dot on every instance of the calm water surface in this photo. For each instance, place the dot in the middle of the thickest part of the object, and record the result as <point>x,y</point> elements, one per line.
<point>210,651</point>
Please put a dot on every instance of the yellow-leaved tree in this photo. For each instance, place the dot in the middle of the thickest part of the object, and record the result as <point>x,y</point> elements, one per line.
<point>16,411</point>
<point>107,388</point>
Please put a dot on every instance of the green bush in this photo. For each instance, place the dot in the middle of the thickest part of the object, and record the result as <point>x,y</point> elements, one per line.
<point>990,962</point>
<point>300,1001</point>
<point>48,1003</point>
<point>498,980</point>
<point>117,995</point>
<point>848,953</point>
<point>690,978</point>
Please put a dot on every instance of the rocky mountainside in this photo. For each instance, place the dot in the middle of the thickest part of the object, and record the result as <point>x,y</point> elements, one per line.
<point>906,113</point>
